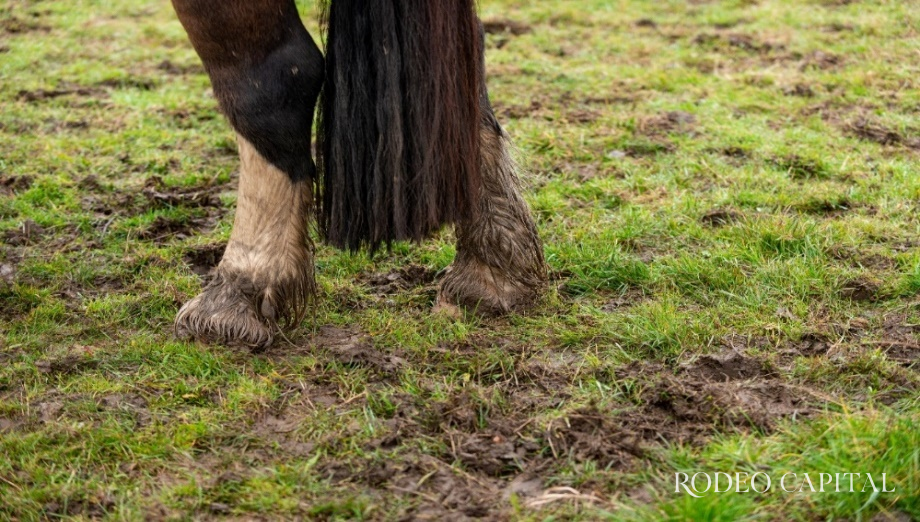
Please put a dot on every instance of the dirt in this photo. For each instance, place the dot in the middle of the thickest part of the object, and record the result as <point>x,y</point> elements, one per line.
<point>860,290</point>
<point>505,26</point>
<point>29,232</point>
<point>174,69</point>
<point>164,229</point>
<point>801,168</point>
<point>356,349</point>
<point>814,344</point>
<point>630,297</point>
<point>109,205</point>
<point>729,366</point>
<point>801,90</point>
<point>828,207</point>
<point>400,279</point>
<point>743,42</point>
<point>462,456</point>
<point>821,60</point>
<point>870,129</point>
<point>899,341</point>
<point>64,90</point>
<point>16,25</point>
<point>491,431</point>
<point>720,217</point>
<point>159,195</point>
<point>860,259</point>
<point>516,112</point>
<point>10,185</point>
<point>642,147</point>
<point>130,82</point>
<point>68,364</point>
<point>665,123</point>
<point>203,259</point>
<point>345,346</point>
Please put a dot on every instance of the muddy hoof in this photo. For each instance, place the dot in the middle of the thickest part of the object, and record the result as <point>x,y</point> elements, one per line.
<point>224,313</point>
<point>484,291</point>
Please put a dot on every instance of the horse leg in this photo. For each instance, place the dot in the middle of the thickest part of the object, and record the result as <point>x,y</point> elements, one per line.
<point>499,265</point>
<point>266,73</point>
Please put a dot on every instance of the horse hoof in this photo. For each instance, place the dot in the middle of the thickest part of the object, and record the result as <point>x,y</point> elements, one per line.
<point>223,313</point>
<point>484,291</point>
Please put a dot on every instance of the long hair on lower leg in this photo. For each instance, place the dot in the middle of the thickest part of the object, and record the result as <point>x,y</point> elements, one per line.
<point>399,115</point>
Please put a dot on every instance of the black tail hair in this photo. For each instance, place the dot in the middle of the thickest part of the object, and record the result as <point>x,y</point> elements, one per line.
<point>399,117</point>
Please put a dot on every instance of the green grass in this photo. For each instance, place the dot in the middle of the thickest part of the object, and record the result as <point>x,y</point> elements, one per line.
<point>707,177</point>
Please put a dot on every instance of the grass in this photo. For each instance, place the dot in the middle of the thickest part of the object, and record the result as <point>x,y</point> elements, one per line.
<point>727,192</point>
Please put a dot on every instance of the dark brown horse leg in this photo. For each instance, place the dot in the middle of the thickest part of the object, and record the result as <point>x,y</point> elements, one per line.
<point>266,73</point>
<point>499,265</point>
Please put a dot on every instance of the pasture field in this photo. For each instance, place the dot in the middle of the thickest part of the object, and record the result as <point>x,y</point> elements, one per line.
<point>729,196</point>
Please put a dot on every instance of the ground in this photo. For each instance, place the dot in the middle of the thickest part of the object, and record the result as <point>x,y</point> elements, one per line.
<point>728,196</point>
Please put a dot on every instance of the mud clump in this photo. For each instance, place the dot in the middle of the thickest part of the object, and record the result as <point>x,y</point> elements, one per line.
<point>587,433</point>
<point>737,41</point>
<point>204,259</point>
<point>10,185</point>
<point>355,349</point>
<point>871,130</point>
<point>164,228</point>
<point>158,195</point>
<point>730,366</point>
<point>720,217</point>
<point>400,279</point>
<point>813,344</point>
<point>821,60</point>
<point>862,290</point>
<point>67,365</point>
<point>28,233</point>
<point>800,90</point>
<point>694,408</point>
<point>666,123</point>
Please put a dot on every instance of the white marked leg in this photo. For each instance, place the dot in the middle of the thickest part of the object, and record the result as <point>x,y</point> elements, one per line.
<point>266,275</point>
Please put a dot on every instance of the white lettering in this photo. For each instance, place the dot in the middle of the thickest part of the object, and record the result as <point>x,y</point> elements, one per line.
<point>754,481</point>
<point>883,485</point>
<point>682,484</point>
<point>738,481</point>
<point>693,482</point>
<point>810,485</point>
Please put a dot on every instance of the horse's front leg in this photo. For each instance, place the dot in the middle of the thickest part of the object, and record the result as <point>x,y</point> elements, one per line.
<point>499,265</point>
<point>266,73</point>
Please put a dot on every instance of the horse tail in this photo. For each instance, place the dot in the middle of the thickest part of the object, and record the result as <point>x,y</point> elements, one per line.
<point>399,120</point>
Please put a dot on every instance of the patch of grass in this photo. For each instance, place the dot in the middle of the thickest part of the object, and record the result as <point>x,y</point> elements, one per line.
<point>727,192</point>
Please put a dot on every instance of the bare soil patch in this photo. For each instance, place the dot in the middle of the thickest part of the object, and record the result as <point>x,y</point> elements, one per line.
<point>175,69</point>
<point>64,89</point>
<point>721,217</point>
<point>400,279</point>
<point>13,184</point>
<point>870,129</point>
<point>505,26</point>
<point>29,232</point>
<point>164,229</point>
<point>16,26</point>
<point>666,123</point>
<point>492,434</point>
<point>203,259</point>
